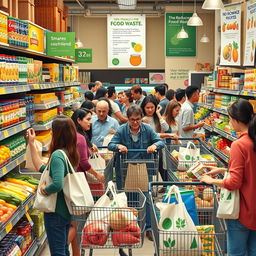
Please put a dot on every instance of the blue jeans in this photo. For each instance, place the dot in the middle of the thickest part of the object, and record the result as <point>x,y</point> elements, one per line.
<point>57,228</point>
<point>241,240</point>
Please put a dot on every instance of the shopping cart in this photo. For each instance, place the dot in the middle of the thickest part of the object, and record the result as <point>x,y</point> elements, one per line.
<point>211,230</point>
<point>137,169</point>
<point>175,167</point>
<point>134,217</point>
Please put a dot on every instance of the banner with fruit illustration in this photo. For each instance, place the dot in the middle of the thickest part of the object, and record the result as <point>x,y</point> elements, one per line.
<point>126,41</point>
<point>249,55</point>
<point>230,36</point>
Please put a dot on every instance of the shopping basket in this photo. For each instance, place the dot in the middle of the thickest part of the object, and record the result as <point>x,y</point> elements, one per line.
<point>211,230</point>
<point>137,169</point>
<point>173,164</point>
<point>136,207</point>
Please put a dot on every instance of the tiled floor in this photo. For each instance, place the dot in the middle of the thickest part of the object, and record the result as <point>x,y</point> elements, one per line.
<point>146,250</point>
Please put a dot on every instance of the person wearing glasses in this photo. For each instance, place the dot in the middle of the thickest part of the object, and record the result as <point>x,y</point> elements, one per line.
<point>135,135</point>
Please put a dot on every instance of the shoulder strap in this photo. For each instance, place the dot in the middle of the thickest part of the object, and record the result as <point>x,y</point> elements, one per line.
<point>71,168</point>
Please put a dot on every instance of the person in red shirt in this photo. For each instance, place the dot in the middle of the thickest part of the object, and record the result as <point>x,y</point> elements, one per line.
<point>242,168</point>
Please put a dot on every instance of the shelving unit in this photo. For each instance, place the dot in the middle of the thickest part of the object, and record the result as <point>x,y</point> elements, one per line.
<point>46,105</point>
<point>14,89</point>
<point>4,134</point>
<point>42,127</point>
<point>45,86</point>
<point>64,105</point>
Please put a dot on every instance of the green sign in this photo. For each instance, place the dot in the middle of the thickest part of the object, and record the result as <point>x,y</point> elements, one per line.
<point>60,43</point>
<point>84,55</point>
<point>175,47</point>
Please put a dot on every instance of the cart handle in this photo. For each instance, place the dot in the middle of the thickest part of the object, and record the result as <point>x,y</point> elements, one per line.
<point>185,139</point>
<point>166,183</point>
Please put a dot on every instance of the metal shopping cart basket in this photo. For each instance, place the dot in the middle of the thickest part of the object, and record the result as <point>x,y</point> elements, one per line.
<point>138,168</point>
<point>174,165</point>
<point>211,230</point>
<point>103,228</point>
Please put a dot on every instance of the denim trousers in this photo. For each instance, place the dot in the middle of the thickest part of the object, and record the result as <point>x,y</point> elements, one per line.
<point>57,228</point>
<point>241,240</point>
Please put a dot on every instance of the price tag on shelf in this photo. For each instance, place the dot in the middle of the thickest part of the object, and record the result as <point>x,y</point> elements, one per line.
<point>2,90</point>
<point>8,228</point>
<point>6,133</point>
<point>245,93</point>
<point>26,207</point>
<point>4,170</point>
<point>17,162</point>
<point>36,86</point>
<point>254,94</point>
<point>15,129</point>
<point>24,126</point>
<point>15,89</point>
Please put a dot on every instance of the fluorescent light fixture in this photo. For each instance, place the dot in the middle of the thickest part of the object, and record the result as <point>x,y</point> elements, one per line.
<point>182,34</point>
<point>212,5</point>
<point>127,4</point>
<point>205,39</point>
<point>195,20</point>
<point>79,44</point>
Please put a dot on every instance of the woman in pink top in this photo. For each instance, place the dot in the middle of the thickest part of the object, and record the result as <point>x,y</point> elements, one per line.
<point>242,168</point>
<point>83,120</point>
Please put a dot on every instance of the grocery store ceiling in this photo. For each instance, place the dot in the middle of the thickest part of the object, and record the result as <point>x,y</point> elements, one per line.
<point>102,7</point>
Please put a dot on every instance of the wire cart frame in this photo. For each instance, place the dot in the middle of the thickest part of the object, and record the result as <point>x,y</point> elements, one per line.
<point>211,232</point>
<point>136,207</point>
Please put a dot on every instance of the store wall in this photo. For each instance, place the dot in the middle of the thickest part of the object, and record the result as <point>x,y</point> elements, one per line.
<point>93,33</point>
<point>180,66</point>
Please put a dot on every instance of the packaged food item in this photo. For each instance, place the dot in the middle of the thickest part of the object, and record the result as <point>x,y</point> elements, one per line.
<point>54,71</point>
<point>206,233</point>
<point>197,170</point>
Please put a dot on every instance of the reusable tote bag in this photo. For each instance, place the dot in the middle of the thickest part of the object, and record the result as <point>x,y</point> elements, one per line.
<point>181,237</point>
<point>45,203</point>
<point>229,203</point>
<point>97,163</point>
<point>188,156</point>
<point>76,190</point>
<point>136,177</point>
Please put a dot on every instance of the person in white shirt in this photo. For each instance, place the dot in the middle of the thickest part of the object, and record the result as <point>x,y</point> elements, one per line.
<point>186,118</point>
<point>137,95</point>
<point>116,110</point>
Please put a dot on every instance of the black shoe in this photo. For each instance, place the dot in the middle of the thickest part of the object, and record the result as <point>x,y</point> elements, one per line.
<point>149,235</point>
<point>122,253</point>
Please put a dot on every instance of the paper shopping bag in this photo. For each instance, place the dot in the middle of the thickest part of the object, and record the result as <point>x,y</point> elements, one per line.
<point>188,156</point>
<point>98,164</point>
<point>179,236</point>
<point>229,203</point>
<point>45,203</point>
<point>76,190</point>
<point>136,178</point>
<point>29,163</point>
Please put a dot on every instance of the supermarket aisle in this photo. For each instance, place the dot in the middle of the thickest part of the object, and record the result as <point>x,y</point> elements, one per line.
<point>146,250</point>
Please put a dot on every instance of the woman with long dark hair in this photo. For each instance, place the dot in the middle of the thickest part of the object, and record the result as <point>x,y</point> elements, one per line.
<point>63,138</point>
<point>242,176</point>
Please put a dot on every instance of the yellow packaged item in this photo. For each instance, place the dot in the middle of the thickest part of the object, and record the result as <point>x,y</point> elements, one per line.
<point>66,74</point>
<point>45,115</point>
<point>44,97</point>
<point>206,233</point>
<point>43,136</point>
<point>54,71</point>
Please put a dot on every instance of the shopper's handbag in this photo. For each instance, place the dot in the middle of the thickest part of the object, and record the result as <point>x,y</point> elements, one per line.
<point>179,236</point>
<point>188,156</point>
<point>98,164</point>
<point>29,163</point>
<point>45,203</point>
<point>229,203</point>
<point>136,178</point>
<point>76,190</point>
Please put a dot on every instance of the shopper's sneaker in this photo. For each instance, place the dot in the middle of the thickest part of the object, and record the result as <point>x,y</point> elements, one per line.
<point>149,235</point>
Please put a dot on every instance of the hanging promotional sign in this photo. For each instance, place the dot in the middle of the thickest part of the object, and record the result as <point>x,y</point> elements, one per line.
<point>60,43</point>
<point>231,36</point>
<point>126,41</point>
<point>179,47</point>
<point>83,55</point>
<point>250,41</point>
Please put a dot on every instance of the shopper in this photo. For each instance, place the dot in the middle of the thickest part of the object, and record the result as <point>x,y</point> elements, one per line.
<point>137,95</point>
<point>88,96</point>
<point>127,100</point>
<point>102,123</point>
<point>116,110</point>
<point>242,231</point>
<point>186,118</point>
<point>180,95</point>
<point>98,85</point>
<point>160,96</point>
<point>92,87</point>
<point>102,92</point>
<point>89,105</point>
<point>82,119</point>
<point>135,135</point>
<point>57,223</point>
<point>170,95</point>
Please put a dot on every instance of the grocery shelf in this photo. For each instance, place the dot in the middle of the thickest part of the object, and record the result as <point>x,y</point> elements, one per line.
<point>207,88</point>
<point>11,165</point>
<point>70,103</point>
<point>43,127</point>
<point>11,49</point>
<point>227,91</point>
<point>13,130</point>
<point>220,110</point>
<point>14,89</point>
<point>208,128</point>
<point>32,249</point>
<point>220,154</point>
<point>46,105</point>
<point>18,214</point>
<point>224,134</point>
<point>40,244</point>
<point>45,86</point>
<point>207,146</point>
<point>248,93</point>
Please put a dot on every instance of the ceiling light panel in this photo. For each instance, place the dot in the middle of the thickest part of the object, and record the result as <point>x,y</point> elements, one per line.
<point>127,4</point>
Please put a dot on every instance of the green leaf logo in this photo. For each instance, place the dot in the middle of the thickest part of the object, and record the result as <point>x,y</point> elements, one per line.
<point>167,223</point>
<point>221,196</point>
<point>187,157</point>
<point>194,244</point>
<point>133,44</point>
<point>229,196</point>
<point>170,243</point>
<point>180,223</point>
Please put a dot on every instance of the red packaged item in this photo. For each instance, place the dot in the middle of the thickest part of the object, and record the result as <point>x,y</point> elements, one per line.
<point>127,236</point>
<point>95,233</point>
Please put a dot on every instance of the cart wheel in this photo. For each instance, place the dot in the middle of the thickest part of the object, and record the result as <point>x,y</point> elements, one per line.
<point>91,252</point>
<point>122,253</point>
<point>130,252</point>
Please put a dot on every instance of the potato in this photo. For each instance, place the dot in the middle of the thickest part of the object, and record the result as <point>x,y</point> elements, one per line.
<point>118,220</point>
<point>208,194</point>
